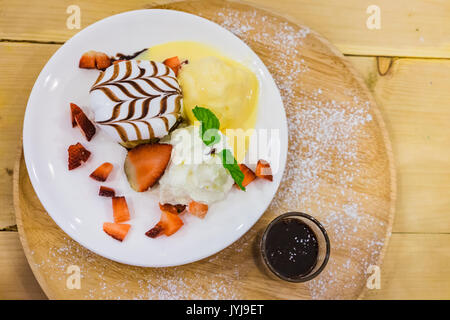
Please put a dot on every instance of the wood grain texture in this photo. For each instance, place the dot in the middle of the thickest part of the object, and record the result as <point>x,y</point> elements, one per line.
<point>413,98</point>
<point>423,182</point>
<point>20,65</point>
<point>237,270</point>
<point>417,266</point>
<point>415,101</point>
<point>16,280</point>
<point>408,27</point>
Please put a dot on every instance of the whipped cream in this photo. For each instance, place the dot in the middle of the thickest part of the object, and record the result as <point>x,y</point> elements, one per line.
<point>136,100</point>
<point>195,171</point>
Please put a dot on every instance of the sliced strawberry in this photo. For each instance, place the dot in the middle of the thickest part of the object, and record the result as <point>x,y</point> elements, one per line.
<point>94,60</point>
<point>77,155</point>
<point>85,125</point>
<point>249,175</point>
<point>116,230</point>
<point>173,63</point>
<point>176,209</point>
<point>145,164</point>
<point>87,60</point>
<point>198,209</point>
<point>102,61</point>
<point>155,231</point>
<point>120,209</point>
<point>263,170</point>
<point>169,223</point>
<point>74,110</point>
<point>102,172</point>
<point>106,192</point>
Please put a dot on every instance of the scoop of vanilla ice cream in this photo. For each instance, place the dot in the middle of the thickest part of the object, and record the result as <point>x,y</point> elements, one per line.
<point>195,171</point>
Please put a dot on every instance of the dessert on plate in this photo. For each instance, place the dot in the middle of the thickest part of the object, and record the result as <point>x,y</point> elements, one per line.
<point>171,106</point>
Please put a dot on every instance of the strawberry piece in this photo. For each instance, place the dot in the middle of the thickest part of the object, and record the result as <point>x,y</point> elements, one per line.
<point>169,223</point>
<point>116,230</point>
<point>85,125</point>
<point>74,110</point>
<point>263,170</point>
<point>87,60</point>
<point>106,192</point>
<point>94,60</point>
<point>145,164</point>
<point>155,231</point>
<point>176,209</point>
<point>173,63</point>
<point>102,61</point>
<point>102,172</point>
<point>120,209</point>
<point>198,209</point>
<point>249,175</point>
<point>77,155</point>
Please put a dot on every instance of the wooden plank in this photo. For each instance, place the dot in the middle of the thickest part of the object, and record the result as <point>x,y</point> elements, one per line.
<point>408,27</point>
<point>413,98</point>
<point>417,266</point>
<point>16,279</point>
<point>415,102</point>
<point>20,65</point>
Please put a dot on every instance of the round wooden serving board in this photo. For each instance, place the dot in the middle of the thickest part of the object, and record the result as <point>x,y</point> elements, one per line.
<point>340,170</point>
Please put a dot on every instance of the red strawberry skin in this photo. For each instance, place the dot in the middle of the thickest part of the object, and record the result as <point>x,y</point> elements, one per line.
<point>85,125</point>
<point>102,172</point>
<point>74,110</point>
<point>77,155</point>
<point>106,192</point>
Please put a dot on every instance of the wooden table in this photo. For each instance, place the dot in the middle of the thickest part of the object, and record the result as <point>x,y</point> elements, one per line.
<point>405,63</point>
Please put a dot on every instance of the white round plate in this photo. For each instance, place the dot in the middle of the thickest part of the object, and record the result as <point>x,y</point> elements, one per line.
<point>71,197</point>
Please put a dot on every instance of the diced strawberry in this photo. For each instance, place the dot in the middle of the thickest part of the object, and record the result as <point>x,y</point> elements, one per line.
<point>77,155</point>
<point>94,60</point>
<point>198,209</point>
<point>249,175</point>
<point>85,125</point>
<point>102,172</point>
<point>116,230</point>
<point>155,231</point>
<point>74,110</point>
<point>173,63</point>
<point>106,192</point>
<point>145,164</point>
<point>176,209</point>
<point>120,209</point>
<point>169,223</point>
<point>263,170</point>
<point>102,61</point>
<point>87,60</point>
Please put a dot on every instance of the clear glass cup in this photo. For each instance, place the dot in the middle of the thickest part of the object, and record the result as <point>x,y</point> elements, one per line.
<point>322,239</point>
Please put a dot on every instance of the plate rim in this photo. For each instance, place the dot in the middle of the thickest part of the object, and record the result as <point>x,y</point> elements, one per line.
<point>40,192</point>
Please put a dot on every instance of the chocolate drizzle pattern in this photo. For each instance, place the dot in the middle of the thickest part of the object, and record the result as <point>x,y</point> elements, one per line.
<point>136,100</point>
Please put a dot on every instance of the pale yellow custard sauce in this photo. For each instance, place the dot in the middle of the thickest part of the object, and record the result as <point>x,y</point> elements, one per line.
<point>216,82</point>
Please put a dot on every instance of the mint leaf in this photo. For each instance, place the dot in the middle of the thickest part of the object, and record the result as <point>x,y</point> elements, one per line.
<point>209,125</point>
<point>230,163</point>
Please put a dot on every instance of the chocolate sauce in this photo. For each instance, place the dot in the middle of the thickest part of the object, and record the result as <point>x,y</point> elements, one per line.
<point>291,248</point>
<point>121,56</point>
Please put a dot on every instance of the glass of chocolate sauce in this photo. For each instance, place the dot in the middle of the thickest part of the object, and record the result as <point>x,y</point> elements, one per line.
<point>295,247</point>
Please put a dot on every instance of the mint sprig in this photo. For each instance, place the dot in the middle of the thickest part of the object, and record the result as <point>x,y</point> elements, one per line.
<point>230,163</point>
<point>209,125</point>
<point>209,134</point>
